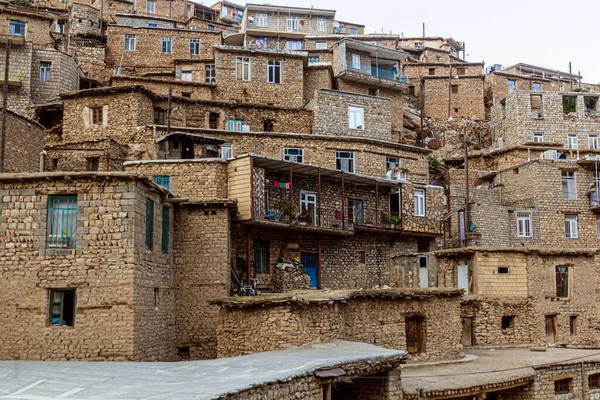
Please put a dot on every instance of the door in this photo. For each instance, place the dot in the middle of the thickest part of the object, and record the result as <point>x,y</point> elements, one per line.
<point>423,272</point>
<point>550,329</point>
<point>467,333</point>
<point>413,335</point>
<point>395,204</point>
<point>462,276</point>
<point>355,212</point>
<point>308,207</point>
<point>309,262</point>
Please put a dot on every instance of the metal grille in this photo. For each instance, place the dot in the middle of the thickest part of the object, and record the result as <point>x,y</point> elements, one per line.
<point>62,221</point>
<point>162,180</point>
<point>149,223</point>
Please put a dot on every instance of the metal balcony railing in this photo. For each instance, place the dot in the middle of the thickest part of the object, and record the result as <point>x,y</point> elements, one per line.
<point>377,72</point>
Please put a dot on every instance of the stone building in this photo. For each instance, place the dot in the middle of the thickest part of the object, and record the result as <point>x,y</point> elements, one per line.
<point>24,143</point>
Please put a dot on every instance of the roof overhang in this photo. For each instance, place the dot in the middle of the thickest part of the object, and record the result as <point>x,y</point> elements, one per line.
<point>375,51</point>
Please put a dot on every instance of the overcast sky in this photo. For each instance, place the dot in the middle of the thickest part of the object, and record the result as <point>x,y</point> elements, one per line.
<point>548,33</point>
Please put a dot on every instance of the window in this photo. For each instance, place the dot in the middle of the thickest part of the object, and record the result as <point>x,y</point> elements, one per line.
<point>150,6</point>
<point>194,46</point>
<point>569,190</point>
<point>573,324</point>
<point>226,151</point>
<point>591,105</point>
<point>162,180</point>
<point>562,386</point>
<point>508,321</point>
<point>62,307</point>
<point>321,25</point>
<point>159,117</point>
<point>152,25</point>
<point>260,256</point>
<point>234,125</point>
<point>186,76</point>
<point>571,227</point>
<point>261,20</point>
<point>166,44</point>
<point>419,202</point>
<point>418,45</point>
<point>339,29</point>
<point>355,211</point>
<point>210,75</point>
<point>293,154</point>
<point>454,89</point>
<point>460,71</point>
<point>415,337</point>
<point>211,27</point>
<point>572,141</point>
<point>62,222</point>
<point>213,120</point>
<point>129,42</point>
<point>165,230</point>
<point>356,62</point>
<point>17,28</point>
<point>60,26</point>
<point>538,137</point>
<point>273,71</point>
<point>45,71</point>
<point>96,115</point>
<point>293,23</point>
<point>523,224</point>
<point>593,141</point>
<point>503,270</point>
<point>320,45</point>
<point>562,281</point>
<point>536,106</point>
<point>262,42</point>
<point>156,297</point>
<point>511,86</point>
<point>314,59</point>
<point>594,381</point>
<point>353,31</point>
<point>373,92</point>
<point>93,163</point>
<point>149,223</point>
<point>355,117</point>
<point>293,45</point>
<point>267,125</point>
<point>431,71</point>
<point>536,86</point>
<point>569,104</point>
<point>242,68</point>
<point>186,94</point>
<point>344,160</point>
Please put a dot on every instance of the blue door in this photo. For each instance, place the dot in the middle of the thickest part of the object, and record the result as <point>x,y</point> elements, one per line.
<point>309,261</point>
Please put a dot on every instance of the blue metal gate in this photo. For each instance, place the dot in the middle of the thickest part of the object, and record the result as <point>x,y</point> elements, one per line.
<point>309,261</point>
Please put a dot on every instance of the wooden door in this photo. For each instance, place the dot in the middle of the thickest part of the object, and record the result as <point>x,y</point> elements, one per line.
<point>550,329</point>
<point>467,333</point>
<point>413,335</point>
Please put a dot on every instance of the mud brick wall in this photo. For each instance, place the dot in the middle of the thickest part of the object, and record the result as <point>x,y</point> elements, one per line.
<point>288,93</point>
<point>189,178</point>
<point>467,103</point>
<point>513,121</point>
<point>24,142</point>
<point>434,209</point>
<point>331,114</point>
<point>105,270</point>
<point>90,54</point>
<point>371,320</point>
<point>84,19</point>
<point>64,75</point>
<point>496,85</point>
<point>202,274</point>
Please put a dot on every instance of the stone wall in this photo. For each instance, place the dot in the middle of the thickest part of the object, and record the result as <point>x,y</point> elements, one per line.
<point>106,154</point>
<point>64,75</point>
<point>24,142</point>
<point>84,19</point>
<point>277,21</point>
<point>19,71</point>
<point>196,90</point>
<point>381,321</point>
<point>330,108</point>
<point>465,94</point>
<point>316,78</point>
<point>37,26</point>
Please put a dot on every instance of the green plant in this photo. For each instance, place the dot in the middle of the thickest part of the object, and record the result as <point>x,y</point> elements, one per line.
<point>384,219</point>
<point>288,207</point>
<point>395,220</point>
<point>22,3</point>
<point>569,104</point>
<point>434,162</point>
<point>578,90</point>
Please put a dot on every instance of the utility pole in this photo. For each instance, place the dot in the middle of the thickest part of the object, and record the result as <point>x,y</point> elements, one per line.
<point>449,90</point>
<point>571,76</point>
<point>422,91</point>
<point>169,112</point>
<point>467,199</point>
<point>4,105</point>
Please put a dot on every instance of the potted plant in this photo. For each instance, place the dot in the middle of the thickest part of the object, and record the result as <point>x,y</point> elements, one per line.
<point>395,221</point>
<point>384,219</point>
<point>288,208</point>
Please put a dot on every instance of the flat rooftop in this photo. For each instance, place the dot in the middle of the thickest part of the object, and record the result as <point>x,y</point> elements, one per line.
<point>206,379</point>
<point>493,368</point>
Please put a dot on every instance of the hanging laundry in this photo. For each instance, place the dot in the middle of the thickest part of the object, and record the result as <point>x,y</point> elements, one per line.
<point>281,185</point>
<point>276,184</point>
<point>288,186</point>
<point>301,22</point>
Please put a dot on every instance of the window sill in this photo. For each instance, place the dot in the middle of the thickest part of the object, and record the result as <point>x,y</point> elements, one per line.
<point>54,251</point>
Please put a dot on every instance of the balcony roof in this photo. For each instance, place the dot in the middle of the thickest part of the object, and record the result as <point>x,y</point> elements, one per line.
<point>285,9</point>
<point>374,50</point>
<point>313,170</point>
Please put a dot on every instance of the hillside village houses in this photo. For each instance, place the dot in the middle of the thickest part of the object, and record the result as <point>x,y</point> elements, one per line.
<point>184,182</point>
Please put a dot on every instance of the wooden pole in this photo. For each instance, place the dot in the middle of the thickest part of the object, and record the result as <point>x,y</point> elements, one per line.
<point>169,111</point>
<point>449,90</point>
<point>319,262</point>
<point>343,213</point>
<point>422,90</point>
<point>4,105</point>
<point>248,256</point>
<point>376,204</point>
<point>291,190</point>
<point>571,76</point>
<point>467,200</point>
<point>319,196</point>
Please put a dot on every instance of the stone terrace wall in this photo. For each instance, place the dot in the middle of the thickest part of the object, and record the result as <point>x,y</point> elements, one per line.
<point>68,156</point>
<point>371,320</point>
<point>189,178</point>
<point>101,269</point>
<point>24,142</point>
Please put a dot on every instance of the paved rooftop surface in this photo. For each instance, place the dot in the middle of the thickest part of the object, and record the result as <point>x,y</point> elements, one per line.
<point>40,380</point>
<point>490,366</point>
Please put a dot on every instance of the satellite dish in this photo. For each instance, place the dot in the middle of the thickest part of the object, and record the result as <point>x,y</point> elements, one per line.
<point>251,19</point>
<point>336,24</point>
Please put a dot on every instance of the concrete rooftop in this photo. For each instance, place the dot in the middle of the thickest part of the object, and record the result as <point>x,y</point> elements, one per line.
<point>40,380</point>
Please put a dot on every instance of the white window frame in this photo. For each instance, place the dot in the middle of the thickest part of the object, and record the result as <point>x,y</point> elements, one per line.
<point>356,117</point>
<point>593,141</point>
<point>186,76</point>
<point>571,226</point>
<point>194,45</point>
<point>538,137</point>
<point>320,45</point>
<point>509,86</point>
<point>261,20</point>
<point>321,25</point>
<point>45,71</point>
<point>150,6</point>
<point>350,161</point>
<point>572,141</point>
<point>293,45</point>
<point>226,151</point>
<point>60,26</point>
<point>298,157</point>
<point>524,224</point>
<point>242,68</point>
<point>130,42</point>
<point>274,71</point>
<point>569,185</point>
<point>293,23</point>
<point>210,73</point>
<point>166,45</point>
<point>355,61</point>
<point>419,202</point>
<point>235,125</point>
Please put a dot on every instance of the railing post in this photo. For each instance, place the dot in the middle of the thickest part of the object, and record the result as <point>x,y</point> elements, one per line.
<point>319,197</point>
<point>343,213</point>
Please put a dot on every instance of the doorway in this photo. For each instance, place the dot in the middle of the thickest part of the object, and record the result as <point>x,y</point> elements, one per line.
<point>467,331</point>
<point>309,262</point>
<point>423,272</point>
<point>414,335</point>
<point>395,203</point>
<point>551,329</point>
<point>308,207</point>
<point>462,275</point>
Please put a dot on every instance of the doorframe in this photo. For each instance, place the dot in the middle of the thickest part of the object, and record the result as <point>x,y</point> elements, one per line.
<point>309,192</point>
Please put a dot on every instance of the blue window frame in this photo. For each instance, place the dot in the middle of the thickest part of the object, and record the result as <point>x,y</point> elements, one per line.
<point>61,230</point>
<point>163,180</point>
<point>353,31</point>
<point>314,59</point>
<point>17,28</point>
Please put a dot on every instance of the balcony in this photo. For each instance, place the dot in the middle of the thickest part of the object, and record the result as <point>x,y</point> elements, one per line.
<point>594,201</point>
<point>377,72</point>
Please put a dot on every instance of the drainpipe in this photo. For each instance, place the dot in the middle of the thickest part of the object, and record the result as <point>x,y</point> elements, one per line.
<point>419,393</point>
<point>583,380</point>
<point>43,155</point>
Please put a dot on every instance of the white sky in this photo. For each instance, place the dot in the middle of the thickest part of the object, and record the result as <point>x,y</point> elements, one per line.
<point>548,33</point>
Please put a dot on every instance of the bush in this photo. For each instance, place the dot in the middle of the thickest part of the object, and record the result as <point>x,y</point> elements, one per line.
<point>434,162</point>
